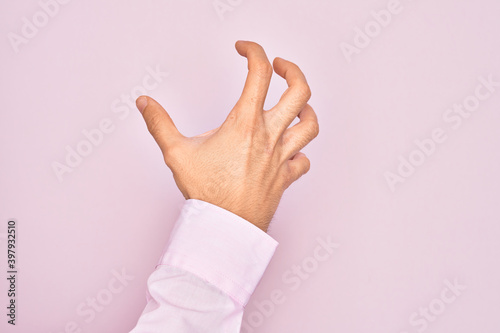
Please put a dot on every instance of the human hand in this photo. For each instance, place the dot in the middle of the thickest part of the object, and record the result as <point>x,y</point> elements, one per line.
<point>246,164</point>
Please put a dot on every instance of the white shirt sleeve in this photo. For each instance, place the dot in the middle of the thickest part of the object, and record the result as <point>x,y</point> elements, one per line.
<point>211,265</point>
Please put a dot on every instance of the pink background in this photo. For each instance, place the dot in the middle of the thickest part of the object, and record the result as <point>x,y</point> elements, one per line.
<point>114,211</point>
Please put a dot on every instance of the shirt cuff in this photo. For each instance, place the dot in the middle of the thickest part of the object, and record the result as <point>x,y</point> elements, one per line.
<point>220,247</point>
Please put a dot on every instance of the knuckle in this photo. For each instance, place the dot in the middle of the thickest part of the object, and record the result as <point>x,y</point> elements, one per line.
<point>254,45</point>
<point>314,129</point>
<point>307,166</point>
<point>263,69</point>
<point>303,91</point>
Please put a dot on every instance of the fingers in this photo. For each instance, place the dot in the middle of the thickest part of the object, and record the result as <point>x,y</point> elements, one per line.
<point>295,97</point>
<point>159,123</point>
<point>298,136</point>
<point>298,166</point>
<point>259,76</point>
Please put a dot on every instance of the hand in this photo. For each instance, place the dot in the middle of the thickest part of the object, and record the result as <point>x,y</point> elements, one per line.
<point>244,165</point>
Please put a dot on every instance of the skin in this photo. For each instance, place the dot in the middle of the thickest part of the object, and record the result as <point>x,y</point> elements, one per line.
<point>246,164</point>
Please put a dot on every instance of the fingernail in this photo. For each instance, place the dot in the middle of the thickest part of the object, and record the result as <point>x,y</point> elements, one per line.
<point>141,103</point>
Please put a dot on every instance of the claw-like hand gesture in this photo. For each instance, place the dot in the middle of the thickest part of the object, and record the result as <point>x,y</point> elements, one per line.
<point>245,165</point>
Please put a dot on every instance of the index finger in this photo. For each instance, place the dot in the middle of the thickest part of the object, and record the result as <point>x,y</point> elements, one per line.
<point>259,76</point>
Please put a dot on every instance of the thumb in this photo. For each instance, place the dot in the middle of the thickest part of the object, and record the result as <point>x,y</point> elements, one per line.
<point>159,123</point>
